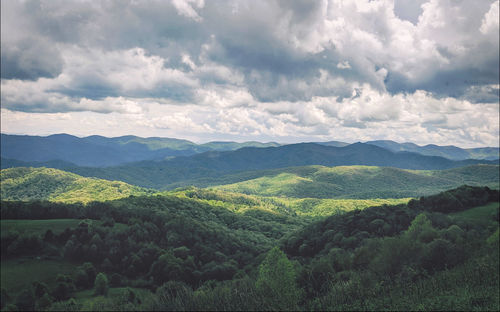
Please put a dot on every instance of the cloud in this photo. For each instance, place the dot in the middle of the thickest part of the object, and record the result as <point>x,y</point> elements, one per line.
<point>184,8</point>
<point>30,59</point>
<point>278,68</point>
<point>490,20</point>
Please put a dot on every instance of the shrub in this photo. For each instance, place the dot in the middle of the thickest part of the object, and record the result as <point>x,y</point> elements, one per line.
<point>101,284</point>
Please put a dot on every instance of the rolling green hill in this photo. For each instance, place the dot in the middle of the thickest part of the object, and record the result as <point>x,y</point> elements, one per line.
<point>302,207</point>
<point>56,185</point>
<point>210,168</point>
<point>362,181</point>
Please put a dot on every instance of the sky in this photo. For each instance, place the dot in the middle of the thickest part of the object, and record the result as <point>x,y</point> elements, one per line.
<point>285,71</point>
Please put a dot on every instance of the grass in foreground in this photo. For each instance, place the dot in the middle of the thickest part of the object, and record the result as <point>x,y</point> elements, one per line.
<point>19,272</point>
<point>38,227</point>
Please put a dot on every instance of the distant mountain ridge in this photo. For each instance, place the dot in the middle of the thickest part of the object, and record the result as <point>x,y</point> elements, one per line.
<point>213,165</point>
<point>303,154</point>
<point>99,151</point>
<point>361,181</point>
<point>450,151</point>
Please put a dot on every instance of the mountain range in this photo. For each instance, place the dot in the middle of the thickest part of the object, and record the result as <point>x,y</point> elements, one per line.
<point>450,151</point>
<point>209,168</point>
<point>99,151</point>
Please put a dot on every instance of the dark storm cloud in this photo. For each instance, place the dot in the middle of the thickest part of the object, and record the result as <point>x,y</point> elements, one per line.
<point>471,84</point>
<point>284,50</point>
<point>30,59</point>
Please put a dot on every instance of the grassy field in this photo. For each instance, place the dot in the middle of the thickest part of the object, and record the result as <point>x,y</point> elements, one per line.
<point>482,215</point>
<point>19,272</point>
<point>39,227</point>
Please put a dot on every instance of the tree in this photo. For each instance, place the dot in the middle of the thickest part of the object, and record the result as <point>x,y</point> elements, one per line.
<point>101,284</point>
<point>89,270</point>
<point>4,298</point>
<point>39,289</point>
<point>44,302</point>
<point>61,291</point>
<point>276,282</point>
<point>81,278</point>
<point>25,301</point>
<point>421,229</point>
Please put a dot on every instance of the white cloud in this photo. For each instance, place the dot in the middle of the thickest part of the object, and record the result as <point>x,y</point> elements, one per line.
<point>346,70</point>
<point>343,65</point>
<point>185,8</point>
<point>490,21</point>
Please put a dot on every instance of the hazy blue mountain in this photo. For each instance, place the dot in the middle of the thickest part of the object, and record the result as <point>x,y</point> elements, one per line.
<point>99,151</point>
<point>333,143</point>
<point>214,164</point>
<point>92,151</point>
<point>231,146</point>
<point>12,163</point>
<point>303,154</point>
<point>450,151</point>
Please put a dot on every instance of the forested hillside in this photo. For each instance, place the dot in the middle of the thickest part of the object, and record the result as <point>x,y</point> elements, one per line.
<point>56,185</point>
<point>363,181</point>
<point>294,238</point>
<point>212,167</point>
<point>171,253</point>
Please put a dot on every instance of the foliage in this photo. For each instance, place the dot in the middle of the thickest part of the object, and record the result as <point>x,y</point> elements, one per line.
<point>362,182</point>
<point>280,207</point>
<point>276,282</point>
<point>101,284</point>
<point>61,186</point>
<point>19,272</point>
<point>213,168</point>
<point>211,250</point>
<point>25,301</point>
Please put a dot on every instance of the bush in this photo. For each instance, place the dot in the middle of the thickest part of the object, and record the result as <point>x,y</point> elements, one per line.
<point>4,298</point>
<point>101,284</point>
<point>25,301</point>
<point>44,302</point>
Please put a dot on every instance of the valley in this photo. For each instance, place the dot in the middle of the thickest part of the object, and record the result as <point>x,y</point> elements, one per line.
<point>288,227</point>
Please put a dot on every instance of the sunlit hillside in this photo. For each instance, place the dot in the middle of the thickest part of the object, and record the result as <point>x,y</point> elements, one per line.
<point>56,185</point>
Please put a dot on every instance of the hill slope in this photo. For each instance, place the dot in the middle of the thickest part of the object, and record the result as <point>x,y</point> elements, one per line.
<point>362,181</point>
<point>56,185</point>
<point>304,154</point>
<point>208,168</point>
<point>450,151</point>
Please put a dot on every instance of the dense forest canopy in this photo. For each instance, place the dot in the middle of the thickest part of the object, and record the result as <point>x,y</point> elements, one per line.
<point>267,228</point>
<point>181,252</point>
